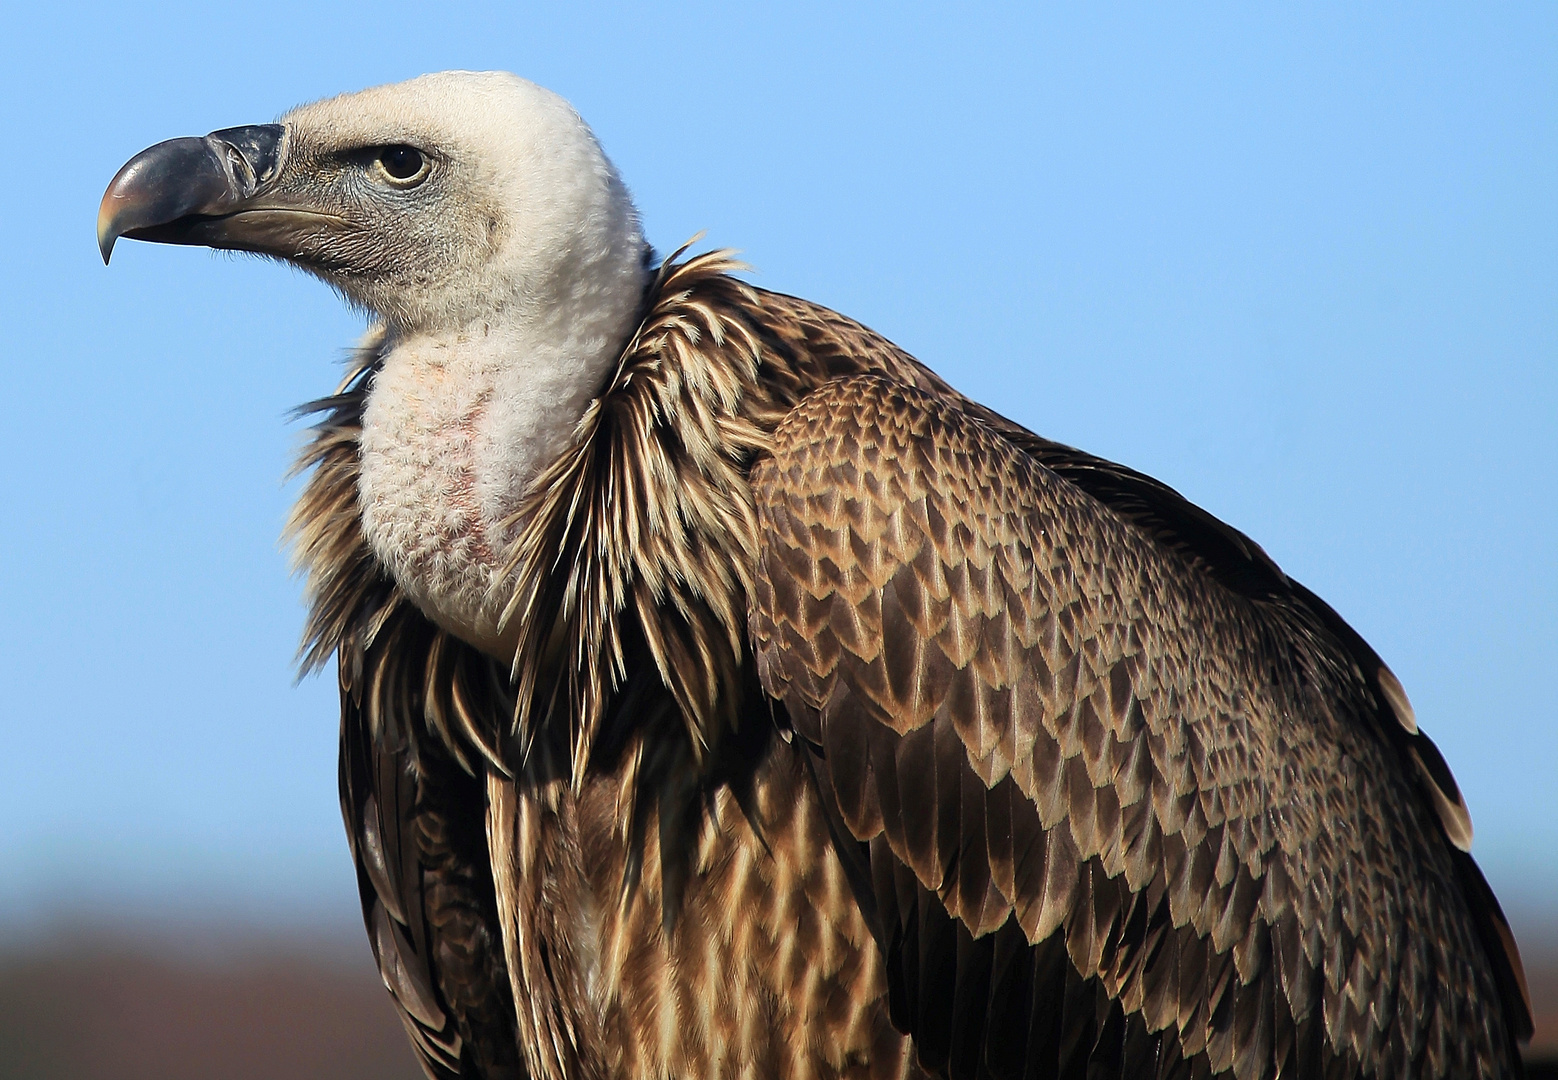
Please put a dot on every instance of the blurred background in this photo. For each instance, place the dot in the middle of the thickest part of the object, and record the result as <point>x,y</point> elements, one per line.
<point>1302,265</point>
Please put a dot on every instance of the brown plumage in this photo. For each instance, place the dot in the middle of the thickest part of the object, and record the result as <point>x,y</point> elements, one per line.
<point>855,730</point>
<point>724,695</point>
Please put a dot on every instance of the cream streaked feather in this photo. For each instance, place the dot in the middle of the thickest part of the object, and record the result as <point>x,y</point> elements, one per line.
<point>648,513</point>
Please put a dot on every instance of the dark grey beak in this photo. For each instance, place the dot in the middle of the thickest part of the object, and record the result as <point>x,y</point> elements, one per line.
<point>187,191</point>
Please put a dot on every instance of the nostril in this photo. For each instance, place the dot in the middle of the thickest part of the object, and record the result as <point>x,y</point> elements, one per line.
<point>241,171</point>
<point>250,155</point>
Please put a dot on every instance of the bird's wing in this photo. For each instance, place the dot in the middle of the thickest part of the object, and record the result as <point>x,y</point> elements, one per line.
<point>415,818</point>
<point>414,812</point>
<point>1118,801</point>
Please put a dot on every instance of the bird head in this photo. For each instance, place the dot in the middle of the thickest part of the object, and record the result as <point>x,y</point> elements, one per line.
<point>433,203</point>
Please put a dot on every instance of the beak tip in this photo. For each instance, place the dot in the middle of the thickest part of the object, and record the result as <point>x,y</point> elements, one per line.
<point>107,231</point>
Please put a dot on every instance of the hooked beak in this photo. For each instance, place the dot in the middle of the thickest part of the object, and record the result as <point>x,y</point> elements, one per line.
<point>208,191</point>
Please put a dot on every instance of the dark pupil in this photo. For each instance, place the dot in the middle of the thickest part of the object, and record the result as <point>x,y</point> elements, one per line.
<point>401,162</point>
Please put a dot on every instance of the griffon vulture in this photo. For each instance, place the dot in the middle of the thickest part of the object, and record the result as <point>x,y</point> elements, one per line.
<point>723,694</point>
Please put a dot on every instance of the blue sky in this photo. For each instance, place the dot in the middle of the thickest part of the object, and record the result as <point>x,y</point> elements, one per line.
<point>1303,266</point>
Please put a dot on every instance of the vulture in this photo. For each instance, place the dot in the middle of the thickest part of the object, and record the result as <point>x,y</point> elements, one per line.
<point>725,695</point>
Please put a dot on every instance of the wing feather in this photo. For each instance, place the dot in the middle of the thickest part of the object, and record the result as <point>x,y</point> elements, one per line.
<point>1159,788</point>
<point>415,819</point>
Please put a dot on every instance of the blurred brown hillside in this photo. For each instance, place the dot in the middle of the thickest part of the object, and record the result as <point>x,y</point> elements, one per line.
<point>1540,956</point>
<point>101,1006</point>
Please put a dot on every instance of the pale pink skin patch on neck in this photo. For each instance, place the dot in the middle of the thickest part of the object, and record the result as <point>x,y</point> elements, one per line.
<point>456,427</point>
<point>418,488</point>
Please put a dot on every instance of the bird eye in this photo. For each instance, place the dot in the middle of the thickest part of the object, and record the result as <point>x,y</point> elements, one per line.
<point>404,165</point>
